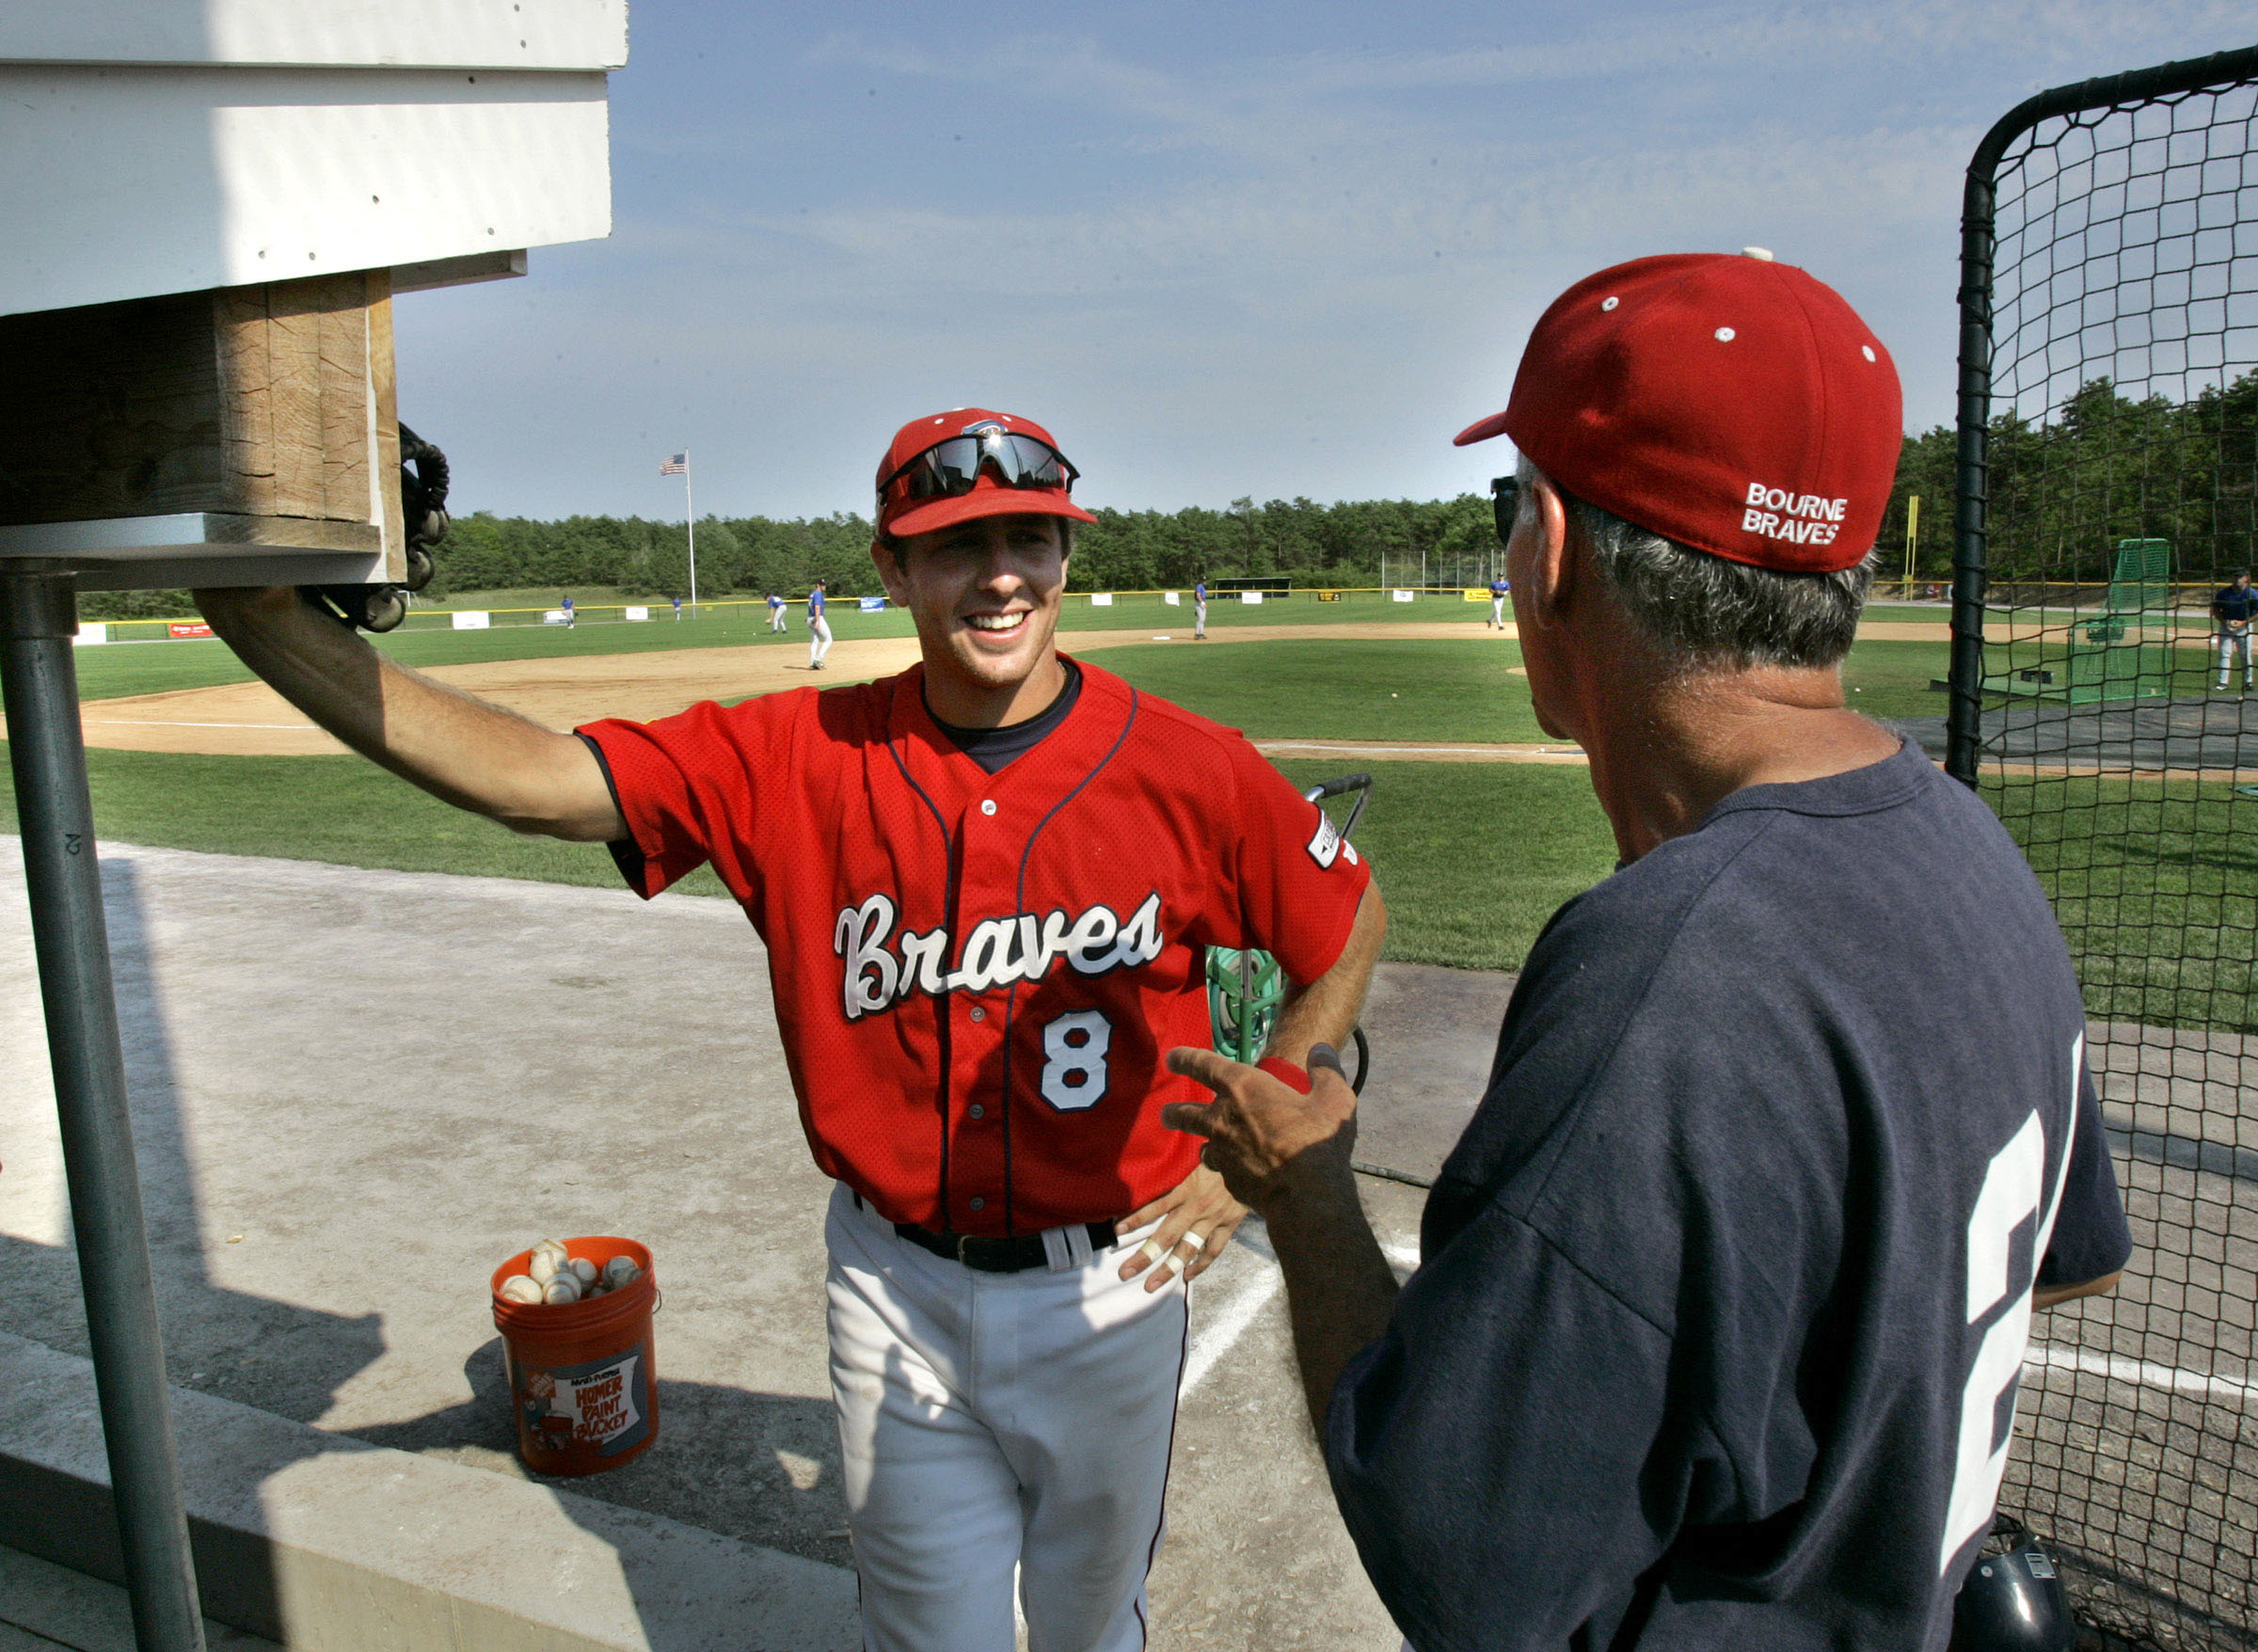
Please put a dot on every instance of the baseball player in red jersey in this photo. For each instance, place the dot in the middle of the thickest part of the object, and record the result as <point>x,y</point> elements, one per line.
<point>987,887</point>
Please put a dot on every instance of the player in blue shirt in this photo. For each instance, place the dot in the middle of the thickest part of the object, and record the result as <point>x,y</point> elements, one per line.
<point>819,628</point>
<point>565,603</point>
<point>775,613</point>
<point>2234,608</point>
<point>1200,610</point>
<point>1723,1295</point>
<point>1499,589</point>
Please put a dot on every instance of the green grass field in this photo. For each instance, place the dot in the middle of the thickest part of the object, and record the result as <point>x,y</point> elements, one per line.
<point>2154,893</point>
<point>1355,689</point>
<point>1473,857</point>
<point>2156,883</point>
<point>2156,887</point>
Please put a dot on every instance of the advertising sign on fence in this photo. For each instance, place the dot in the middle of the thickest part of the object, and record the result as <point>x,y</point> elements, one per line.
<point>556,617</point>
<point>92,631</point>
<point>1475,596</point>
<point>636,613</point>
<point>187,629</point>
<point>1253,596</point>
<point>873,604</point>
<point>1328,595</point>
<point>1401,596</point>
<point>1171,598</point>
<point>472,619</point>
<point>1101,599</point>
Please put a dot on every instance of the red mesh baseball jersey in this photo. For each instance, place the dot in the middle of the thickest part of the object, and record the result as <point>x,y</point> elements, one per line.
<point>977,975</point>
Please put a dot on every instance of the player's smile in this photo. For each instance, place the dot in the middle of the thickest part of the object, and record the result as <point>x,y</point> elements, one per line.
<point>985,594</point>
<point>998,623</point>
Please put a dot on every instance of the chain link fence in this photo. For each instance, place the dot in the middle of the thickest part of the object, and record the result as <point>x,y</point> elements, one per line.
<point>2105,704</point>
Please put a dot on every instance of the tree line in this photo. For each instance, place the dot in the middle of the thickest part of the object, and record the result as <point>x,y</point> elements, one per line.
<point>1348,544</point>
<point>1123,551</point>
<point>2102,467</point>
<point>2064,490</point>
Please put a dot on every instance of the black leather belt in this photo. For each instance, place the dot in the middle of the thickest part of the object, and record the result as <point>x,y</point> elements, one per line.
<point>996,1256</point>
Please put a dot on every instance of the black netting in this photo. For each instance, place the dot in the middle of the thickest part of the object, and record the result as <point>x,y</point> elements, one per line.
<point>2121,747</point>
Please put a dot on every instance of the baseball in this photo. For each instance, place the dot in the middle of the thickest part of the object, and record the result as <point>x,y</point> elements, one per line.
<point>620,1271</point>
<point>582,1270</point>
<point>561,1288</point>
<point>520,1288</point>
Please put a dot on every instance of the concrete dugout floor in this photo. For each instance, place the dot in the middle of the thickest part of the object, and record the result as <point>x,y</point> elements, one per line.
<point>355,1092</point>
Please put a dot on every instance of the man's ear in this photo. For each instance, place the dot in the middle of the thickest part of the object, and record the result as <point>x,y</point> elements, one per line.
<point>889,571</point>
<point>1552,560</point>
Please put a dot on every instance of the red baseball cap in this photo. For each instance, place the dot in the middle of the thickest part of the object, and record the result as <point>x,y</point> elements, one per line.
<point>991,495</point>
<point>1731,404</point>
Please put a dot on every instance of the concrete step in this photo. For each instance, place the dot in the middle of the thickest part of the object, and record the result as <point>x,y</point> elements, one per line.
<point>324,1543</point>
<point>43,1606</point>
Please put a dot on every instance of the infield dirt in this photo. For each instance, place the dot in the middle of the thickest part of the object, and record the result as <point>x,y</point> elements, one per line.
<point>249,719</point>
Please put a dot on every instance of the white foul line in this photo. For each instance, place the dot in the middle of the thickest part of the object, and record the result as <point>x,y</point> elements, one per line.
<point>1219,1334</point>
<point>2142,1373</point>
<point>1217,1337</point>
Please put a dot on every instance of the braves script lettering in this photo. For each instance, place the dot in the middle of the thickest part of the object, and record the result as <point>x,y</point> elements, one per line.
<point>882,970</point>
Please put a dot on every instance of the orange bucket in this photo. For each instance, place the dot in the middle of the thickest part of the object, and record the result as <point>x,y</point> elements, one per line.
<point>580,1381</point>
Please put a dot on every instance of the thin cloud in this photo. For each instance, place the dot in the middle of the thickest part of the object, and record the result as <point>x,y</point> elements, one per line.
<point>1321,258</point>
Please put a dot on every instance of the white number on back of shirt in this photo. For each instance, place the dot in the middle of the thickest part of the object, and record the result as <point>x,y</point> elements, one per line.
<point>2014,1186</point>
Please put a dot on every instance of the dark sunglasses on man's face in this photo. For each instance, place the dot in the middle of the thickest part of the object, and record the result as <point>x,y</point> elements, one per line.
<point>1505,500</point>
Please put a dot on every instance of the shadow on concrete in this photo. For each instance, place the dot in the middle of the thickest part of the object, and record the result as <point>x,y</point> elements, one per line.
<point>1434,1033</point>
<point>760,1467</point>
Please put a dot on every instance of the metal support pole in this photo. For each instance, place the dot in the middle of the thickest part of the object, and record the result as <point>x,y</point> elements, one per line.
<point>39,680</point>
<point>1963,713</point>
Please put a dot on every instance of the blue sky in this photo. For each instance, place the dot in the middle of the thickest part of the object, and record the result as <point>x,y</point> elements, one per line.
<point>1219,249</point>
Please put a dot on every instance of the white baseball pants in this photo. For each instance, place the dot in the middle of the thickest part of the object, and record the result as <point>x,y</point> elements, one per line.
<point>2230,644</point>
<point>1497,611</point>
<point>989,1422</point>
<point>819,642</point>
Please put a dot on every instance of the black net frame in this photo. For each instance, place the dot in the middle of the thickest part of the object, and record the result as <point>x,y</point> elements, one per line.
<point>2108,489</point>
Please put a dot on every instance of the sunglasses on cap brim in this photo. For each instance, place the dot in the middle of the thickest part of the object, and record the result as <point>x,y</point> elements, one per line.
<point>948,469</point>
<point>1505,500</point>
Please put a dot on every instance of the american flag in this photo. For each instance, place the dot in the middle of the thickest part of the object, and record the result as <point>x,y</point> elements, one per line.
<point>677,465</point>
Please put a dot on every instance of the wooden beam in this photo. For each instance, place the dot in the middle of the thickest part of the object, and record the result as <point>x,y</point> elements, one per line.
<point>273,402</point>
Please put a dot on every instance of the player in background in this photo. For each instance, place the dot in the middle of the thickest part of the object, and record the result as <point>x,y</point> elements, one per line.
<point>1199,609</point>
<point>819,628</point>
<point>565,602</point>
<point>1499,591</point>
<point>987,887</point>
<point>677,610</point>
<point>2232,607</point>
<point>775,613</point>
<point>1723,1294</point>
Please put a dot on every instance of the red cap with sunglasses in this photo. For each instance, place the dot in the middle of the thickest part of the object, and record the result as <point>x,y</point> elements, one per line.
<point>968,463</point>
<point>1730,404</point>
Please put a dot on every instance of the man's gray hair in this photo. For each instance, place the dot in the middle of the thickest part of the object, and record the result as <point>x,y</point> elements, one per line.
<point>1707,612</point>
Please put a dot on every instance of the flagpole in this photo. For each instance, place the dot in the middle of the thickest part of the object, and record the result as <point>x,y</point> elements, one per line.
<point>690,522</point>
